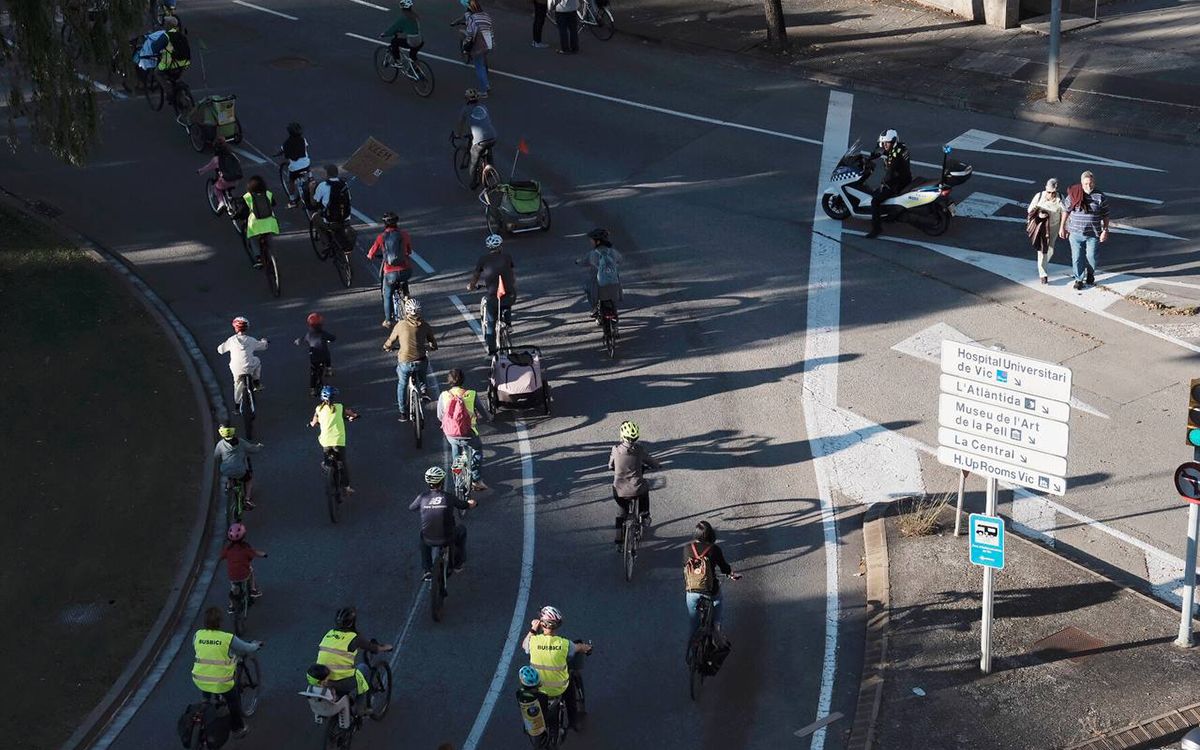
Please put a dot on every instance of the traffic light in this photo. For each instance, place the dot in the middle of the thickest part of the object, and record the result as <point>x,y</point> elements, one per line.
<point>1193,415</point>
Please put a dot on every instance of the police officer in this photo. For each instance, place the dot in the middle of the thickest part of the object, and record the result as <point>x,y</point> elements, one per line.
<point>338,653</point>
<point>897,176</point>
<point>215,669</point>
<point>438,525</point>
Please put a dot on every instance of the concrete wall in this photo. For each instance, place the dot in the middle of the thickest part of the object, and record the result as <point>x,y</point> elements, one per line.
<point>1002,14</point>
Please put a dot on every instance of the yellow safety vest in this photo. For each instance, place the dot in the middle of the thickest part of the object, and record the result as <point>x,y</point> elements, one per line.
<point>333,426</point>
<point>214,668</point>
<point>548,655</point>
<point>334,652</point>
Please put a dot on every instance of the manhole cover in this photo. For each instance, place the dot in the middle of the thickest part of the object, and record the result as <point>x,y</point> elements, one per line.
<point>1068,643</point>
<point>289,63</point>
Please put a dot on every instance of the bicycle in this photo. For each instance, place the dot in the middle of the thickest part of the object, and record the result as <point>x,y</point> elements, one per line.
<point>332,468</point>
<point>703,659</point>
<point>631,535</point>
<point>226,201</point>
<point>336,240</point>
<point>461,469</point>
<point>415,404</point>
<point>240,602</point>
<point>243,399</point>
<point>503,325</point>
<point>266,259</point>
<point>248,680</point>
<point>607,316</point>
<point>181,98</point>
<point>298,189</point>
<point>437,586</point>
<point>557,718</point>
<point>378,700</point>
<point>235,499</point>
<point>390,67</point>
<point>485,172</point>
<point>598,20</point>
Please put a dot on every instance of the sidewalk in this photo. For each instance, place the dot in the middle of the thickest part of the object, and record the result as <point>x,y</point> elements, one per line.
<point>1136,73</point>
<point>1075,656</point>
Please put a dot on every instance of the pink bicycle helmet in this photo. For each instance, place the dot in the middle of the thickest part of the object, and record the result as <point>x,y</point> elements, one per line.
<point>236,532</point>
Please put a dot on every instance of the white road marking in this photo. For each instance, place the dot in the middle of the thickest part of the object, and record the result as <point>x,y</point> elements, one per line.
<point>984,205</point>
<point>398,641</point>
<point>369,5</point>
<point>468,316</point>
<point>1032,517</point>
<point>615,99</point>
<point>1022,180</point>
<point>982,141</point>
<point>517,625</point>
<point>248,155</point>
<point>372,223</point>
<point>265,10</point>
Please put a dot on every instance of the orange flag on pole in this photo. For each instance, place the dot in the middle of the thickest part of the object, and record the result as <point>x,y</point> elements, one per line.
<point>522,146</point>
<point>500,290</point>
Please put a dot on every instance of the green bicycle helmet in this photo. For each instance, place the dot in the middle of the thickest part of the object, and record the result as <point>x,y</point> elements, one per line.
<point>629,431</point>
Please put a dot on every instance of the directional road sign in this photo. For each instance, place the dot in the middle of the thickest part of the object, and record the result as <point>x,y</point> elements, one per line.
<point>1029,376</point>
<point>1007,398</point>
<point>1011,473</point>
<point>1005,425</point>
<point>987,540</point>
<point>1187,481</point>
<point>1006,452</point>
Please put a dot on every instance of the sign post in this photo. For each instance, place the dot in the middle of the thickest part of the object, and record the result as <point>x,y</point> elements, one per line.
<point>962,488</point>
<point>987,551</point>
<point>1187,484</point>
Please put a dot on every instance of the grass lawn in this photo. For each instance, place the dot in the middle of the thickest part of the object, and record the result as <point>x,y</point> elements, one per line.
<point>104,454</point>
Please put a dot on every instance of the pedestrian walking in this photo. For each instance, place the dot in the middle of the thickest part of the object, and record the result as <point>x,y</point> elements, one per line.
<point>539,20</point>
<point>1044,221</point>
<point>568,25</point>
<point>478,42</point>
<point>1085,225</point>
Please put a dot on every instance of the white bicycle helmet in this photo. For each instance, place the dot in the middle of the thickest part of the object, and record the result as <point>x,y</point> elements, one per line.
<point>493,241</point>
<point>550,616</point>
<point>435,475</point>
<point>412,308</point>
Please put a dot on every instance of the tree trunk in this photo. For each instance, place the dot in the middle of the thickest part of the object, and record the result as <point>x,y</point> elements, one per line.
<point>776,29</point>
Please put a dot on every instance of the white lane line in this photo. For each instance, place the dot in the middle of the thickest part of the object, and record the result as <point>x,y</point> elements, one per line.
<point>369,5</point>
<point>398,641</point>
<point>983,142</point>
<point>617,99</point>
<point>265,10</point>
<point>517,626</point>
<point>821,351</point>
<point>468,315</point>
<point>372,223</point>
<point>1022,180</point>
<point>1155,201</point>
<point>248,155</point>
<point>363,217</point>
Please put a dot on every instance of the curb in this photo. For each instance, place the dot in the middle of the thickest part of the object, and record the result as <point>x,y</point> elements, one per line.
<point>878,613</point>
<point>1167,727</point>
<point>208,400</point>
<point>916,95</point>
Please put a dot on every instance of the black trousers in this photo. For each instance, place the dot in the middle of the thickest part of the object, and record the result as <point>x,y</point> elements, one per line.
<point>568,31</point>
<point>314,372</point>
<point>643,503</point>
<point>883,193</point>
<point>539,20</point>
<point>458,552</point>
<point>339,453</point>
<point>233,699</point>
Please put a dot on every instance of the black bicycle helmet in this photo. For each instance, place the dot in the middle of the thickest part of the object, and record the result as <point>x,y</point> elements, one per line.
<point>345,618</point>
<point>295,128</point>
<point>599,233</point>
<point>390,219</point>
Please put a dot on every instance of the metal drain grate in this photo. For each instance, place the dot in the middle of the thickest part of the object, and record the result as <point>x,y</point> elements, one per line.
<point>1068,643</point>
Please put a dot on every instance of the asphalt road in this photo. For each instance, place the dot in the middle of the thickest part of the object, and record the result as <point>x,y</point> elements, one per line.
<point>706,170</point>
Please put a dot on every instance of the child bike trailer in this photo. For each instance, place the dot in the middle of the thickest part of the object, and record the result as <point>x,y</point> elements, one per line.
<point>214,116</point>
<point>516,207</point>
<point>518,380</point>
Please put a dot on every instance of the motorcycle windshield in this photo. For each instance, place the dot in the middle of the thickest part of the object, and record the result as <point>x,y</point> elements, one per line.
<point>850,158</point>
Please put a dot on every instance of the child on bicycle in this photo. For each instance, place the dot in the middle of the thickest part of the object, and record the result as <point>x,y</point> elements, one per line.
<point>241,348</point>
<point>232,461</point>
<point>317,339</point>
<point>405,32</point>
<point>295,150</point>
<point>229,172</point>
<point>261,222</point>
<point>238,554</point>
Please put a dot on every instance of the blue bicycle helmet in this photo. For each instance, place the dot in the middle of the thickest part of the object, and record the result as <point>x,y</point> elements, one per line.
<point>529,676</point>
<point>328,392</point>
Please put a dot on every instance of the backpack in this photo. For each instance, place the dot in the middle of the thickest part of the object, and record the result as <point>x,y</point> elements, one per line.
<point>606,270</point>
<point>456,422</point>
<point>697,572</point>
<point>339,202</point>
<point>229,166</point>
<point>261,206</point>
<point>393,253</point>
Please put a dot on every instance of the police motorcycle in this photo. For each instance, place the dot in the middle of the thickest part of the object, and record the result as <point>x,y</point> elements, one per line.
<point>924,203</point>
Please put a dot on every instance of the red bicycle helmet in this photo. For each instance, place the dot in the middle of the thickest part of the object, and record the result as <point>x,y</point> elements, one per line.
<point>240,324</point>
<point>315,319</point>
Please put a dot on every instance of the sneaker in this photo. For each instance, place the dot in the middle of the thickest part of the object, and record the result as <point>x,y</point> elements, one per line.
<point>1078,285</point>
<point>292,204</point>
<point>484,94</point>
<point>478,486</point>
<point>386,324</point>
<point>229,609</point>
<point>538,45</point>
<point>255,593</point>
<point>248,505</point>
<point>459,568</point>
<point>258,264</point>
<point>1090,279</point>
<point>403,416</point>
<point>258,386</point>
<point>240,733</point>
<point>1045,280</point>
<point>348,490</point>
<point>427,575</point>
<point>873,233</point>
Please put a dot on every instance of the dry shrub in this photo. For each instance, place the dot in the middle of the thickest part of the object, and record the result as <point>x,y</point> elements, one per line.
<point>921,516</point>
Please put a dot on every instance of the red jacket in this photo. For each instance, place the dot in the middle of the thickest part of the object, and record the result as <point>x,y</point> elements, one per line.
<point>405,246</point>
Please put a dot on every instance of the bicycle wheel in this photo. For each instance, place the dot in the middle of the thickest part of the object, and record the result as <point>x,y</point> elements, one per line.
<point>610,337</point>
<point>154,92</point>
<point>490,177</point>
<point>214,198</point>
<point>320,244</point>
<point>231,505</point>
<point>380,698</point>
<point>605,25</point>
<point>695,656</point>
<point>423,83</point>
<point>341,262</point>
<point>462,163</point>
<point>249,677</point>
<point>385,65</point>
<point>495,224</point>
<point>183,101</point>
<point>333,493</point>
<point>270,267</point>
<point>437,587</point>
<point>505,335</point>
<point>285,181</point>
<point>241,608</point>
<point>544,216</point>
<point>629,549</point>
<point>416,414</point>
<point>196,137</point>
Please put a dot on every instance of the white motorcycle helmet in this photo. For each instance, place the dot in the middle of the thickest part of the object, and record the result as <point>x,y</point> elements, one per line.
<point>888,136</point>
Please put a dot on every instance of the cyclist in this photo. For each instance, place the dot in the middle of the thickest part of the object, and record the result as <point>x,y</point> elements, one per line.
<point>496,271</point>
<point>295,150</point>
<point>332,419</point>
<point>629,460</point>
<point>229,172</point>
<point>241,348</point>
<point>476,123</point>
<point>414,338</point>
<point>438,525</point>
<point>317,339</point>
<point>704,553</point>
<point>602,279</point>
<point>149,54</point>
<point>215,668</point>
<point>262,221</point>
<point>337,663</point>
<point>238,554</point>
<point>232,461</point>
<point>554,657</point>
<point>395,271</point>
<point>897,176</point>
<point>459,411</point>
<point>405,33</point>
<point>333,195</point>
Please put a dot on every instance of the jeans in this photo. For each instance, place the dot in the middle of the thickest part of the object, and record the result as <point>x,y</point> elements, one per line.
<point>481,72</point>
<point>477,150</point>
<point>489,319</point>
<point>233,699</point>
<point>405,370</point>
<point>1081,244</point>
<point>388,283</point>
<point>693,599</point>
<point>539,20</point>
<point>458,554</point>
<point>399,43</point>
<point>568,31</point>
<point>457,444</point>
